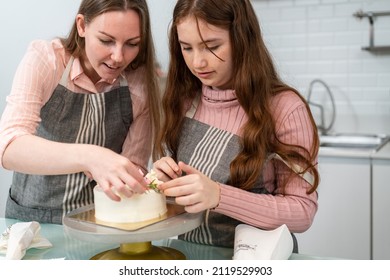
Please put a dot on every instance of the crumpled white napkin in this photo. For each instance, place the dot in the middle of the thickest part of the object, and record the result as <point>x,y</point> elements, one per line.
<point>251,243</point>
<point>22,236</point>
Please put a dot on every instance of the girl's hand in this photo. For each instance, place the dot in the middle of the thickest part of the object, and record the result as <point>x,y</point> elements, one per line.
<point>166,169</point>
<point>195,191</point>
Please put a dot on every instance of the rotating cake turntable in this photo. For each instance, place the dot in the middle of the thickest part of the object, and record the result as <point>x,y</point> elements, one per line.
<point>135,239</point>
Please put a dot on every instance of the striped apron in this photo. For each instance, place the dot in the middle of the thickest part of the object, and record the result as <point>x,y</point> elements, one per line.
<point>211,150</point>
<point>100,119</point>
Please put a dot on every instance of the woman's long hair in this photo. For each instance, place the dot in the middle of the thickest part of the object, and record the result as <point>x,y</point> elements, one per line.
<point>75,45</point>
<point>255,82</point>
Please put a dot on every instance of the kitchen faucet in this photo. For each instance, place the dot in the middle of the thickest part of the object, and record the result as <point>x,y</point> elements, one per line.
<point>322,127</point>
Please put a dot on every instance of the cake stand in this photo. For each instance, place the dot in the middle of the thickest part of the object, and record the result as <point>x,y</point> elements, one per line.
<point>135,244</point>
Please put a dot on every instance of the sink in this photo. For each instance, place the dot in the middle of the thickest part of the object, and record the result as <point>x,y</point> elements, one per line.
<point>354,141</point>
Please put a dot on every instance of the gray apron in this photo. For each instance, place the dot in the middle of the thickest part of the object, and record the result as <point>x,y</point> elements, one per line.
<point>211,150</point>
<point>101,119</point>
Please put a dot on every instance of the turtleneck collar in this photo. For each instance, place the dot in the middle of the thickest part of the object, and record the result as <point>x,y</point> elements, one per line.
<point>217,95</point>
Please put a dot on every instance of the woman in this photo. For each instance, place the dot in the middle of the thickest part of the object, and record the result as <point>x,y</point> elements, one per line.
<point>82,110</point>
<point>236,140</point>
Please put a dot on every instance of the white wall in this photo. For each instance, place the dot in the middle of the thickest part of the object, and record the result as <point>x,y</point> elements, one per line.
<point>161,15</point>
<point>321,39</point>
<point>308,39</point>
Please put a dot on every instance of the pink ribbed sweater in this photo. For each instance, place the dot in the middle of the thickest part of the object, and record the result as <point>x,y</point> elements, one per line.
<point>296,209</point>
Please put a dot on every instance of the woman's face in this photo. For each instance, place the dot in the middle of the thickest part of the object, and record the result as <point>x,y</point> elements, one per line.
<point>208,55</point>
<point>111,43</point>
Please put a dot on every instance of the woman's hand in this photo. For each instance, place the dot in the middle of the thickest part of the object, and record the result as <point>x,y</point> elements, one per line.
<point>115,174</point>
<point>32,154</point>
<point>195,191</point>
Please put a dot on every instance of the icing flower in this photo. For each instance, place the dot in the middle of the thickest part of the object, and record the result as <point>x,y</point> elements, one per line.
<point>152,181</point>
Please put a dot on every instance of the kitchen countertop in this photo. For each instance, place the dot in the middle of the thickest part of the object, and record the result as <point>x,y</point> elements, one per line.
<point>69,248</point>
<point>383,153</point>
<point>359,124</point>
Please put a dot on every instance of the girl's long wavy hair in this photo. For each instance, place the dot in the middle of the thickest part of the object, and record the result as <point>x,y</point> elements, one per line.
<point>255,82</point>
<point>75,45</point>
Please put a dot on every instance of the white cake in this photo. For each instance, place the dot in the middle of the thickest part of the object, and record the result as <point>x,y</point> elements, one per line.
<point>137,208</point>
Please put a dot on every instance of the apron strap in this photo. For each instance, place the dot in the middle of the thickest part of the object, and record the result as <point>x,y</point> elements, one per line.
<point>308,177</point>
<point>65,75</point>
<point>123,81</point>
<point>194,105</point>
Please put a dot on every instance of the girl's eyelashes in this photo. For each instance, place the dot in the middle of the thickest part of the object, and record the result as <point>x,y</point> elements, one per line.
<point>186,48</point>
<point>213,48</point>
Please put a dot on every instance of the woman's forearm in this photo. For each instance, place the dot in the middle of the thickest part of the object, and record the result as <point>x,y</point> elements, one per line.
<point>34,155</point>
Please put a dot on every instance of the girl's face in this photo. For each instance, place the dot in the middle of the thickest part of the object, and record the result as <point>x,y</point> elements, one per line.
<point>209,55</point>
<point>111,43</point>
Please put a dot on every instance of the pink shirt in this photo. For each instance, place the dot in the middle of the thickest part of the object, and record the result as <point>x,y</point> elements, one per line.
<point>35,80</point>
<point>296,209</point>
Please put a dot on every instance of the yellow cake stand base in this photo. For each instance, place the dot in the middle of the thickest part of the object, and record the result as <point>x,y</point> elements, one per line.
<point>140,251</point>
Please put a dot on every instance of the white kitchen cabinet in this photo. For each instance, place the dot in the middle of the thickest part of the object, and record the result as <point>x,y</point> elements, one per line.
<point>381,209</point>
<point>341,228</point>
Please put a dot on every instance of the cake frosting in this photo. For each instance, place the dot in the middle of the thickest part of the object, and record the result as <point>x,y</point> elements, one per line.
<point>143,207</point>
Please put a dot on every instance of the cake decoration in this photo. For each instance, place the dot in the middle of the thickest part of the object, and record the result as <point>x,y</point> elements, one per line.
<point>152,180</point>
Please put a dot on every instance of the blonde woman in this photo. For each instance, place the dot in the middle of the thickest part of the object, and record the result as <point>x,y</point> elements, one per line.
<point>82,111</point>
